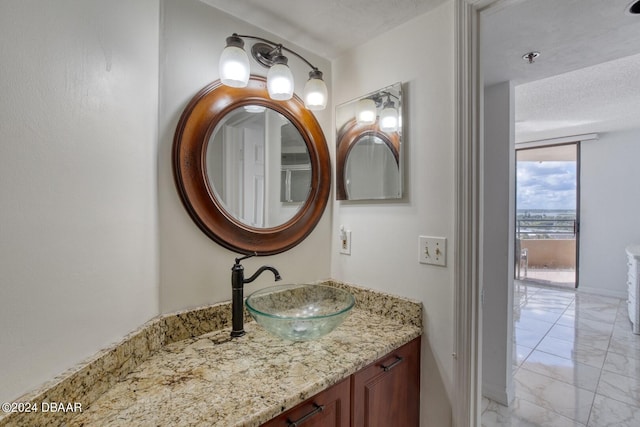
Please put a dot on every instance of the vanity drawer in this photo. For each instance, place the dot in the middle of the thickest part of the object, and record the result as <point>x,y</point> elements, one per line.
<point>328,408</point>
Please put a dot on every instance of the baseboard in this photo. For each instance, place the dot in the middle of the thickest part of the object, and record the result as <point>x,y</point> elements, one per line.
<point>603,292</point>
<point>498,393</point>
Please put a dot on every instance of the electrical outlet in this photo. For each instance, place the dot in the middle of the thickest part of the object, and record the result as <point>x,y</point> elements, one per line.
<point>433,250</point>
<point>345,241</point>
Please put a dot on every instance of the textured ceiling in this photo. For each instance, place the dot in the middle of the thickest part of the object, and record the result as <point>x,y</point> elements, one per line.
<point>586,78</point>
<point>569,34</point>
<point>325,27</point>
<point>600,98</point>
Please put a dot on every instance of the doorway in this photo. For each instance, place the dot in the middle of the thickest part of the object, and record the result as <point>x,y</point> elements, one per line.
<point>548,214</point>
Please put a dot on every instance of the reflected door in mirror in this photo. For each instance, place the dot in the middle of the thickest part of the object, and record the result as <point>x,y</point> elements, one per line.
<point>259,167</point>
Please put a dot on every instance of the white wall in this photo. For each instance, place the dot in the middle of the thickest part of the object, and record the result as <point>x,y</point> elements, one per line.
<point>94,240</point>
<point>194,270</point>
<point>78,123</point>
<point>610,206</point>
<point>384,251</point>
<point>497,242</point>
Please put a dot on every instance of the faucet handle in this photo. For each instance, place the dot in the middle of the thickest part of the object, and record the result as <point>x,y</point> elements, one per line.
<point>245,257</point>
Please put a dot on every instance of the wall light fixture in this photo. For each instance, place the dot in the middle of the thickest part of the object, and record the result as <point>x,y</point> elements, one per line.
<point>235,70</point>
<point>367,111</point>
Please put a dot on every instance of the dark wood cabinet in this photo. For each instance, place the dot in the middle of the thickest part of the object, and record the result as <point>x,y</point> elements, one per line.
<point>329,408</point>
<point>387,392</point>
<point>383,394</point>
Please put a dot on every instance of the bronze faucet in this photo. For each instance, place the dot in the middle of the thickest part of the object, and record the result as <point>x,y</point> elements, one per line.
<point>237,292</point>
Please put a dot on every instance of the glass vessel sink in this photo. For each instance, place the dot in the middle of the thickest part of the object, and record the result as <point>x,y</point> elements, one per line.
<point>300,312</point>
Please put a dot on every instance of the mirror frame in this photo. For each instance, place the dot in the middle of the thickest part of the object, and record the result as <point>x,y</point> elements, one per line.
<point>198,121</point>
<point>348,136</point>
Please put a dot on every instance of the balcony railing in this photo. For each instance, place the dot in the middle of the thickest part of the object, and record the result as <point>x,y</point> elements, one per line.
<point>546,229</point>
<point>545,245</point>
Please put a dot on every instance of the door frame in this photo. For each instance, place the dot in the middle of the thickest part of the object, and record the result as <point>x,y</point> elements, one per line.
<point>467,355</point>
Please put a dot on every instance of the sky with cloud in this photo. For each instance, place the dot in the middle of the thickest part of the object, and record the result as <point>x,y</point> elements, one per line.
<point>546,185</point>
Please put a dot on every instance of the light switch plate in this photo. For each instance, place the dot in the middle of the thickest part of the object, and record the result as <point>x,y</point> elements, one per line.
<point>345,242</point>
<point>433,250</point>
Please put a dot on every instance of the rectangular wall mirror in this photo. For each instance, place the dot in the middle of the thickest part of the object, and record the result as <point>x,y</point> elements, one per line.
<point>369,142</point>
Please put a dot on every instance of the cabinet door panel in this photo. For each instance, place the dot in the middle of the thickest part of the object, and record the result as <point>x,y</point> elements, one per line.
<point>335,404</point>
<point>387,392</point>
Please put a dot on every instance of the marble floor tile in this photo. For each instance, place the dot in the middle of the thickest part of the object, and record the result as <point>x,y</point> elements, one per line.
<point>607,315</point>
<point>585,324</point>
<point>623,365</point>
<point>625,347</point>
<point>601,314</point>
<point>619,387</point>
<point>565,399</point>
<point>623,323</point>
<point>527,338</point>
<point>533,325</point>
<point>601,300</point>
<point>584,369</point>
<point>523,414</point>
<point>611,413</point>
<point>588,355</point>
<point>587,301</point>
<point>561,369</point>
<point>558,308</point>
<point>623,310</point>
<point>555,298</point>
<point>580,336</point>
<point>560,293</point>
<point>526,315</point>
<point>627,336</point>
<point>484,404</point>
<point>520,353</point>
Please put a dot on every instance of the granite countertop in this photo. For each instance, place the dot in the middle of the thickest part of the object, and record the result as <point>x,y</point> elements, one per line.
<point>183,369</point>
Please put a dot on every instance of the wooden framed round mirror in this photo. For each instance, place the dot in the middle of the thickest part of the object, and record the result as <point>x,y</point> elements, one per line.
<point>254,174</point>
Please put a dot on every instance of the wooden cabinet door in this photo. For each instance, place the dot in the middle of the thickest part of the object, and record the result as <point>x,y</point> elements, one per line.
<point>387,392</point>
<point>335,412</point>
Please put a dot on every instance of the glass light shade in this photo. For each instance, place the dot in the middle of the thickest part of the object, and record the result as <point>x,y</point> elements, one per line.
<point>315,92</point>
<point>366,112</point>
<point>234,67</point>
<point>254,108</point>
<point>389,119</point>
<point>280,82</point>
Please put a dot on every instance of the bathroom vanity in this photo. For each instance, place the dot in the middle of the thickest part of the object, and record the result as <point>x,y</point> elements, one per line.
<point>385,392</point>
<point>184,369</point>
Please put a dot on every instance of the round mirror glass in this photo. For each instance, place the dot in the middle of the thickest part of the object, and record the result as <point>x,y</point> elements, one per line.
<point>371,170</point>
<point>258,166</point>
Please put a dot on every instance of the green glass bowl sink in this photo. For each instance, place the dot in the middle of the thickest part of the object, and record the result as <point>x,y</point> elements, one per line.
<point>300,312</point>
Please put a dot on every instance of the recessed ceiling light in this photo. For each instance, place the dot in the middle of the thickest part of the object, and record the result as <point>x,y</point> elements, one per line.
<point>531,56</point>
<point>634,8</point>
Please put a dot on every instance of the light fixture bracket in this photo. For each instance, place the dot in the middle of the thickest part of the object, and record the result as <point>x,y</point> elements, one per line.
<point>378,98</point>
<point>265,54</point>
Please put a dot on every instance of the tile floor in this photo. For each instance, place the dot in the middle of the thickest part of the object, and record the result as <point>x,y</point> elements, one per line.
<point>575,361</point>
<point>554,277</point>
